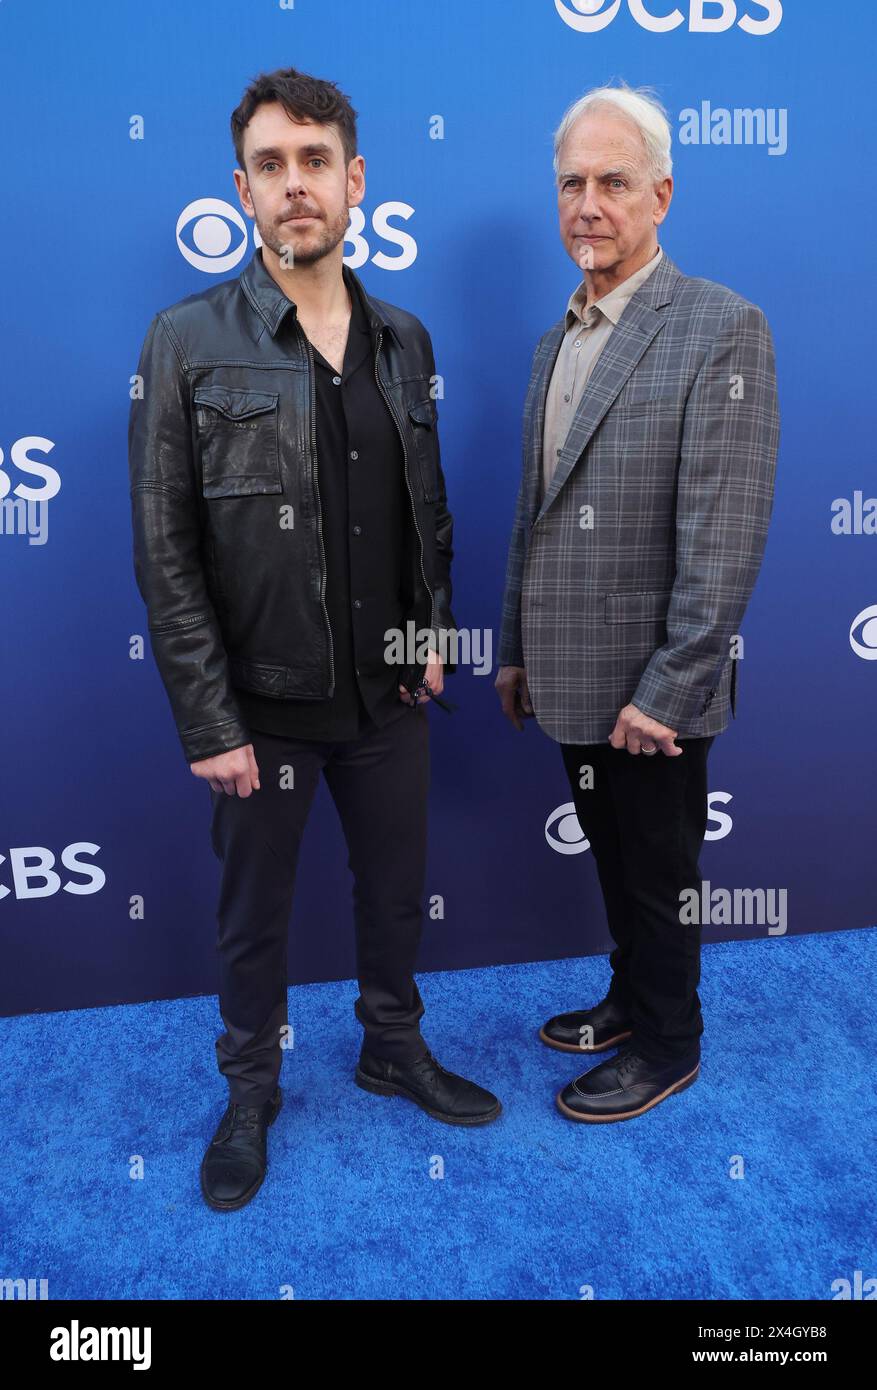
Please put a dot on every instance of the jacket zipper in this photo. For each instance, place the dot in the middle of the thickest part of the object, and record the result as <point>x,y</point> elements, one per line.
<point>313,395</point>
<point>392,411</point>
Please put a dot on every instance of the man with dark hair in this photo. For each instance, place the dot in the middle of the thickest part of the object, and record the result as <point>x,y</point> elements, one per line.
<point>289,511</point>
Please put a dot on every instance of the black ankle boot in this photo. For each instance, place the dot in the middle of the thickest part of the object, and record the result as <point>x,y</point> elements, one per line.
<point>233,1168</point>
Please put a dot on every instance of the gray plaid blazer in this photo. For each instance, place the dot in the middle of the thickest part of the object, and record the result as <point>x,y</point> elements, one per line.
<point>673,447</point>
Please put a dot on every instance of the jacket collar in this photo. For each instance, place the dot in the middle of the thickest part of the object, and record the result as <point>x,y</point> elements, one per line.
<point>272,305</point>
<point>613,304</point>
<point>659,288</point>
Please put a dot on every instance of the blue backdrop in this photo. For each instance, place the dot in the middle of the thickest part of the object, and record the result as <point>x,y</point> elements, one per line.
<point>116,128</point>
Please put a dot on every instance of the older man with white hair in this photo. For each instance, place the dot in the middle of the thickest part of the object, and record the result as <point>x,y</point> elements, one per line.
<point>649,451</point>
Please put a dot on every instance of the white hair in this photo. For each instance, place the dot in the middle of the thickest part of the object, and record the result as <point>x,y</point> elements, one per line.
<point>641,106</point>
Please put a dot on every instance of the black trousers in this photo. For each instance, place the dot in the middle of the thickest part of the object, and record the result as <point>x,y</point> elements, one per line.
<point>645,818</point>
<point>379,783</point>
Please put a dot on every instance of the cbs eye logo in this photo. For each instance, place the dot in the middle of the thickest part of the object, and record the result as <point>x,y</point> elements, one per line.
<point>865,644</point>
<point>209,224</point>
<point>584,14</point>
<point>563,832</point>
<point>589,16</point>
<point>212,236</point>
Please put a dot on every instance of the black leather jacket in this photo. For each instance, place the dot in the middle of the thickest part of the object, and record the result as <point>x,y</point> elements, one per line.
<point>225,500</point>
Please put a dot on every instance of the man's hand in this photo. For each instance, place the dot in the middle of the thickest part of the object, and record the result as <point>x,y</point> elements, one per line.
<point>234,772</point>
<point>514,694</point>
<point>642,733</point>
<point>434,675</point>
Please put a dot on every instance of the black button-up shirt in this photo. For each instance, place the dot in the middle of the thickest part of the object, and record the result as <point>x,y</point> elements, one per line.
<point>365,517</point>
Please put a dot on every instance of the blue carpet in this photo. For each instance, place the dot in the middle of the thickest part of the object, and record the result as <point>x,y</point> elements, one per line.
<point>532,1206</point>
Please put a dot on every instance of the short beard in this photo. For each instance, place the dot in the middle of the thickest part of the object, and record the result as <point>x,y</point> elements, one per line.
<point>326,242</point>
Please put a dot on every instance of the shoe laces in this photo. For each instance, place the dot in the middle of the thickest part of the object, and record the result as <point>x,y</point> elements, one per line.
<point>244,1119</point>
<point>428,1069</point>
<point>626,1060</point>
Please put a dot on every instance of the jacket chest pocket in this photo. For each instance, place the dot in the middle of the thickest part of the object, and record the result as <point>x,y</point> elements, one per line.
<point>238,438</point>
<point>422,417</point>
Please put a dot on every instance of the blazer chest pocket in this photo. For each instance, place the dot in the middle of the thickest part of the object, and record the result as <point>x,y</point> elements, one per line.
<point>648,607</point>
<point>238,437</point>
<point>422,417</point>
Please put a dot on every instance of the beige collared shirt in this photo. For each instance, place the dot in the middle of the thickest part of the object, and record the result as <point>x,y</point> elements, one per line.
<point>587,332</point>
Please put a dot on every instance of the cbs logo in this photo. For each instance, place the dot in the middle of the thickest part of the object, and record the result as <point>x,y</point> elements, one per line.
<point>18,454</point>
<point>212,236</point>
<point>40,878</point>
<point>565,836</point>
<point>590,16</point>
<point>864,641</point>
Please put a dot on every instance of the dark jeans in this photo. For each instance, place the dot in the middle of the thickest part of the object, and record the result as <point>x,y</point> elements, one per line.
<point>379,783</point>
<point>646,818</point>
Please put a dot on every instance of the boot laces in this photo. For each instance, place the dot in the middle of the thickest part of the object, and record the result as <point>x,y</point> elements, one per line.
<point>626,1060</point>
<point>244,1119</point>
<point>428,1069</point>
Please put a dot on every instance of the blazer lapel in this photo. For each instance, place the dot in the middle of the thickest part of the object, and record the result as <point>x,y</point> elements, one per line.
<point>630,337</point>
<point>536,411</point>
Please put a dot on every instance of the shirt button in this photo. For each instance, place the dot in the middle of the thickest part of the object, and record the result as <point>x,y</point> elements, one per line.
<point>336,381</point>
<point>354,454</point>
<point>357,530</point>
<point>357,603</point>
<point>566,398</point>
<point>578,342</point>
